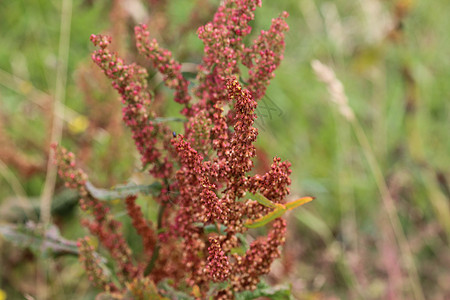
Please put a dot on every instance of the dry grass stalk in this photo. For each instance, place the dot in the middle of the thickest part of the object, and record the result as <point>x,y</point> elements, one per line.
<point>337,96</point>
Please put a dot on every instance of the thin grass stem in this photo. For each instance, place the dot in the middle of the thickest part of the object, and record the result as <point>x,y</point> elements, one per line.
<point>338,97</point>
<point>60,92</point>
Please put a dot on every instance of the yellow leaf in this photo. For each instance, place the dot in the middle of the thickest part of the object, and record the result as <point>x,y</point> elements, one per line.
<point>196,291</point>
<point>2,295</point>
<point>298,202</point>
<point>78,124</point>
<point>279,210</point>
<point>266,219</point>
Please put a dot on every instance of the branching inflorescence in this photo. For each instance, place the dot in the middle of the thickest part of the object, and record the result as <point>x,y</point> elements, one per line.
<point>204,172</point>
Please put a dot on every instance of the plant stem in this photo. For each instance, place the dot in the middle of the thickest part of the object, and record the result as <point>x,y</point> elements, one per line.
<point>390,208</point>
<point>60,91</point>
<point>155,253</point>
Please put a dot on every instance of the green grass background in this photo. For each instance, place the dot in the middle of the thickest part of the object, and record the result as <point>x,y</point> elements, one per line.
<point>341,244</point>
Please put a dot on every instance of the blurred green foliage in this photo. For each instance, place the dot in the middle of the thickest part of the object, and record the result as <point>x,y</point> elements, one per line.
<point>392,58</point>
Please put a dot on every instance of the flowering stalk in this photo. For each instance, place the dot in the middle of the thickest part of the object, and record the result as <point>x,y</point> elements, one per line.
<point>92,265</point>
<point>103,226</point>
<point>130,81</point>
<point>141,225</point>
<point>223,48</point>
<point>162,61</point>
<point>265,56</point>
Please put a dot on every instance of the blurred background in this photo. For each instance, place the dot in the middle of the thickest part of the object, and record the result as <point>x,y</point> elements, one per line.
<point>380,225</point>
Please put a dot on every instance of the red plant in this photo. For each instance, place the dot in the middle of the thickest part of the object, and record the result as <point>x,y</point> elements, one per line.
<point>204,173</point>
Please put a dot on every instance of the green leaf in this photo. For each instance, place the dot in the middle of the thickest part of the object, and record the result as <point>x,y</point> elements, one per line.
<point>264,290</point>
<point>107,296</point>
<point>238,250</point>
<point>215,287</point>
<point>242,238</point>
<point>32,237</point>
<point>213,228</point>
<point>15,210</point>
<point>279,209</point>
<point>266,219</point>
<point>142,288</point>
<point>261,200</point>
<point>168,119</point>
<point>122,191</point>
<point>191,76</point>
<point>168,291</point>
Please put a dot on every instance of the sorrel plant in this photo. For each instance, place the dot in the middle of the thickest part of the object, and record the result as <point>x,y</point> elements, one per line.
<point>207,196</point>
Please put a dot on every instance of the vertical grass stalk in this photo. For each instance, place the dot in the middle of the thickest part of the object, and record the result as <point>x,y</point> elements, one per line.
<point>58,111</point>
<point>336,90</point>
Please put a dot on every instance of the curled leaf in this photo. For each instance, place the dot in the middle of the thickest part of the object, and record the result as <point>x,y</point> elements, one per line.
<point>262,200</point>
<point>122,191</point>
<point>296,203</point>
<point>279,210</point>
<point>266,219</point>
<point>37,239</point>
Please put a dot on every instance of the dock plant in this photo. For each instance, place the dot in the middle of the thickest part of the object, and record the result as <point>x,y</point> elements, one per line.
<point>207,196</point>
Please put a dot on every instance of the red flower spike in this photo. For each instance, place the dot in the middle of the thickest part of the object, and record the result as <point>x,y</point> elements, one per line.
<point>223,48</point>
<point>141,225</point>
<point>259,257</point>
<point>264,56</point>
<point>162,60</point>
<point>91,263</point>
<point>218,267</point>
<point>130,81</point>
<point>103,226</point>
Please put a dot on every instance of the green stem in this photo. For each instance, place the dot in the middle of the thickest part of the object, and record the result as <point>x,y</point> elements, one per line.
<point>155,253</point>
<point>390,208</point>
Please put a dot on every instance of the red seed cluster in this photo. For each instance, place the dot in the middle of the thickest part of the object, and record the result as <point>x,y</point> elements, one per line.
<point>264,56</point>
<point>222,39</point>
<point>257,260</point>
<point>130,81</point>
<point>102,225</point>
<point>162,60</point>
<point>241,150</point>
<point>218,267</point>
<point>74,178</point>
<point>92,264</point>
<point>142,226</point>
